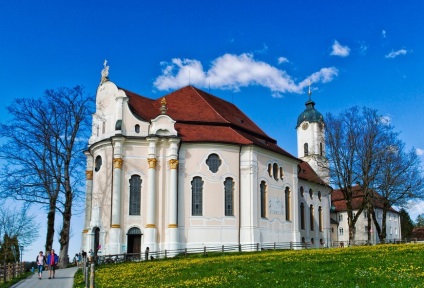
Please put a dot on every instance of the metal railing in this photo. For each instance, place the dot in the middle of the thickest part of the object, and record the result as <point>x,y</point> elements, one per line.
<point>204,250</point>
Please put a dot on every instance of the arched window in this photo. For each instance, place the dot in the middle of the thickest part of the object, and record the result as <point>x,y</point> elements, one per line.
<point>319,195</point>
<point>287,202</point>
<point>321,149</point>
<point>263,199</point>
<point>312,241</point>
<point>197,196</point>
<point>270,170</point>
<point>302,216</point>
<point>213,162</point>
<point>302,191</point>
<point>305,149</point>
<point>98,163</point>
<point>229,196</point>
<point>137,128</point>
<point>281,173</point>
<point>135,195</point>
<point>311,216</point>
<point>311,193</point>
<point>275,171</point>
<point>321,228</point>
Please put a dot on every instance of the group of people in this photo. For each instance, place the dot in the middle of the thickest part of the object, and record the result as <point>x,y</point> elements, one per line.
<point>80,257</point>
<point>50,261</point>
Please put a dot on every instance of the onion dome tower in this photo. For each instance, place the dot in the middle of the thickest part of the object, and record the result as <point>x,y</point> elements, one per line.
<point>311,138</point>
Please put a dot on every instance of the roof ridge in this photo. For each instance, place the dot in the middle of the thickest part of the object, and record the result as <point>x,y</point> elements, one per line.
<point>213,108</point>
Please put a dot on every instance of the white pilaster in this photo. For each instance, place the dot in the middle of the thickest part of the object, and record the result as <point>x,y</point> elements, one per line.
<point>115,229</point>
<point>150,231</point>
<point>248,197</point>
<point>88,197</point>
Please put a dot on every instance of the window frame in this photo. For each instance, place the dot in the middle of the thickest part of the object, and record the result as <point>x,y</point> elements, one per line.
<point>197,196</point>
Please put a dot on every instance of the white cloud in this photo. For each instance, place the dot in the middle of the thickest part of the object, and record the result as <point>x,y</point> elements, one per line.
<point>282,60</point>
<point>383,33</point>
<point>233,72</point>
<point>339,50</point>
<point>415,208</point>
<point>394,54</point>
<point>420,152</point>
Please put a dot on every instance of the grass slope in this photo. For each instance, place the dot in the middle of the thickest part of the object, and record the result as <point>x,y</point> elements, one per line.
<point>365,266</point>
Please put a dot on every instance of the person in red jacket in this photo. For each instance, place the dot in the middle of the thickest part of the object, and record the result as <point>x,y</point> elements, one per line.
<point>52,261</point>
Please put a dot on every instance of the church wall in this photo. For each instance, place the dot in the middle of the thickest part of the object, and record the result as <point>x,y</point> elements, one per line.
<point>212,227</point>
<point>275,227</point>
<point>320,238</point>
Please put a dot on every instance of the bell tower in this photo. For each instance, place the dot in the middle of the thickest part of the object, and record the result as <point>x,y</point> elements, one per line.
<point>311,138</point>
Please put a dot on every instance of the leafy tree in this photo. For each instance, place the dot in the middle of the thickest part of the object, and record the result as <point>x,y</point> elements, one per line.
<point>43,153</point>
<point>419,222</point>
<point>406,224</point>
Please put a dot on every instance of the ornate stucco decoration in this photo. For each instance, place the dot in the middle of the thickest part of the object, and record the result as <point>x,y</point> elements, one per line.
<point>89,174</point>
<point>117,163</point>
<point>173,163</point>
<point>152,162</point>
<point>105,73</point>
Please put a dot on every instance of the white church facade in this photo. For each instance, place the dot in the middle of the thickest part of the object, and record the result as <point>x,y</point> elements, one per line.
<point>189,170</point>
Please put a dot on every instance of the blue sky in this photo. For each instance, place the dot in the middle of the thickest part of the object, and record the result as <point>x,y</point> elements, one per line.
<point>259,55</point>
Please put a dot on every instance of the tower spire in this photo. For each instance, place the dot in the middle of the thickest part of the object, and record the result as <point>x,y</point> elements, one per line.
<point>309,89</point>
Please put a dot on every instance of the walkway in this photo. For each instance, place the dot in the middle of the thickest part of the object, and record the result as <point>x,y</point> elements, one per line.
<point>64,279</point>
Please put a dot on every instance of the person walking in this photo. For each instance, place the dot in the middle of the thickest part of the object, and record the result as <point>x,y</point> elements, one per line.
<point>52,261</point>
<point>40,260</point>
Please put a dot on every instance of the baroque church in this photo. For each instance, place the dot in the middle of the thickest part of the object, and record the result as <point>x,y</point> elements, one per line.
<point>189,170</point>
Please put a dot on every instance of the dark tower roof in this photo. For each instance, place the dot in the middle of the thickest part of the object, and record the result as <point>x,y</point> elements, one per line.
<point>310,114</point>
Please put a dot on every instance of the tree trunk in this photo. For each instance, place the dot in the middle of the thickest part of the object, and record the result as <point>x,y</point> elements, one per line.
<point>66,231</point>
<point>51,215</point>
<point>67,214</point>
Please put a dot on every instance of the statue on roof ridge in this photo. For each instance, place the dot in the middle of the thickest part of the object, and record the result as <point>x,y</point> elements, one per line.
<point>163,108</point>
<point>105,73</point>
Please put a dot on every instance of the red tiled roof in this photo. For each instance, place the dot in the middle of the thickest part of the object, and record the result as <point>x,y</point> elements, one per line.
<point>201,116</point>
<point>307,173</point>
<point>418,233</point>
<point>338,200</point>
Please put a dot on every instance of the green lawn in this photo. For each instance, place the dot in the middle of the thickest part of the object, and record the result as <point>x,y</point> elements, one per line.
<point>365,266</point>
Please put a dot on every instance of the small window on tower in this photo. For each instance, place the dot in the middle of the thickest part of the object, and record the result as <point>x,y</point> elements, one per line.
<point>137,128</point>
<point>305,148</point>
<point>98,163</point>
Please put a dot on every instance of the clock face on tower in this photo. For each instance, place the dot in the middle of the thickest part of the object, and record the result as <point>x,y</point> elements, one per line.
<point>305,126</point>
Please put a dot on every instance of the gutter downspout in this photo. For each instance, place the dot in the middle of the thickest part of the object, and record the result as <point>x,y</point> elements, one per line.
<point>239,198</point>
<point>111,182</point>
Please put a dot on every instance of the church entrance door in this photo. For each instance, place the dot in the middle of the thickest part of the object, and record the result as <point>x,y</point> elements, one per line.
<point>134,240</point>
